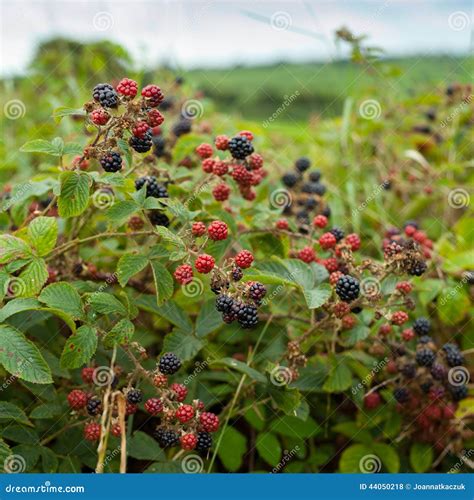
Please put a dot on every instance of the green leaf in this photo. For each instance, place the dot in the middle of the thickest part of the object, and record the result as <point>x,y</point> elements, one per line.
<point>49,460</point>
<point>359,458</point>
<point>143,447</point>
<point>121,333</point>
<point>355,334</point>
<point>208,319</point>
<point>169,237</point>
<point>163,282</point>
<point>287,399</point>
<point>20,434</point>
<point>42,234</point>
<point>184,345</point>
<point>121,210</point>
<point>42,146</point>
<point>388,455</point>
<point>16,306</point>
<point>63,296</point>
<point>317,297</point>
<point>232,449</point>
<point>452,305</point>
<point>46,411</point>
<point>12,248</point>
<point>294,427</point>
<point>106,303</point>
<point>242,368</point>
<point>74,195</point>
<point>63,111</point>
<point>421,457</point>
<point>269,448</point>
<point>170,310</point>
<point>21,357</point>
<point>9,412</point>
<point>33,277</point>
<point>339,378</point>
<point>79,348</point>
<point>129,265</point>
<point>72,148</point>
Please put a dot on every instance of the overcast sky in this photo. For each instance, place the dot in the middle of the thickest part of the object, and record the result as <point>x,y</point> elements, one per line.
<point>189,33</point>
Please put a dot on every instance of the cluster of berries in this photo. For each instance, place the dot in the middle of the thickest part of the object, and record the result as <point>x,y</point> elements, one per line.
<point>245,166</point>
<point>155,189</point>
<point>138,119</point>
<point>307,194</point>
<point>411,235</point>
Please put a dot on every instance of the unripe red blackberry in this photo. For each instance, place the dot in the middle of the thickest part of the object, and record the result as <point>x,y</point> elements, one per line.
<point>247,134</point>
<point>221,142</point>
<point>92,431</point>
<point>127,87</point>
<point>160,380</point>
<point>198,228</point>
<point>140,129</point>
<point>153,95</point>
<point>241,175</point>
<point>217,230</point>
<point>208,165</point>
<point>87,374</point>
<point>353,241</point>
<point>155,118</point>
<point>255,161</point>
<point>320,221</point>
<point>204,150</point>
<point>154,406</point>
<point>408,334</point>
<point>204,264</point>
<point>209,421</point>
<point>77,399</point>
<point>331,264</point>
<point>399,318</point>
<point>130,409</point>
<point>221,192</point>
<point>188,442</point>
<point>136,223</point>
<point>404,287</point>
<point>99,117</point>
<point>116,430</point>
<point>334,277</point>
<point>220,168</point>
<point>184,413</point>
<point>282,224</point>
<point>184,274</point>
<point>341,309</point>
<point>307,254</point>
<point>385,329</point>
<point>348,321</point>
<point>327,240</point>
<point>180,391</point>
<point>244,259</point>
<point>372,400</point>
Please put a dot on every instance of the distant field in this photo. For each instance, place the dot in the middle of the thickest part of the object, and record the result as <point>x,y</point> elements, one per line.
<point>255,92</point>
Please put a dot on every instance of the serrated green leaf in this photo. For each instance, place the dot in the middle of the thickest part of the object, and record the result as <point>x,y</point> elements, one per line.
<point>42,146</point>
<point>49,460</point>
<point>64,297</point>
<point>32,278</point>
<point>10,411</point>
<point>269,448</point>
<point>232,449</point>
<point>169,237</point>
<point>72,148</point>
<point>121,333</point>
<point>74,193</point>
<point>184,345</point>
<point>242,368</point>
<point>339,377</point>
<point>63,111</point>
<point>79,347</point>
<point>42,234</point>
<point>143,447</point>
<point>16,306</point>
<point>106,303</point>
<point>170,310</point>
<point>317,297</point>
<point>121,210</point>
<point>21,357</point>
<point>129,265</point>
<point>421,457</point>
<point>294,427</point>
<point>164,285</point>
<point>208,319</point>
<point>12,248</point>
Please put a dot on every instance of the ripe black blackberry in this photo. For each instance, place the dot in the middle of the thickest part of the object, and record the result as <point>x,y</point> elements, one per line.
<point>169,363</point>
<point>247,316</point>
<point>204,441</point>
<point>303,217</point>
<point>182,127</point>
<point>356,310</point>
<point>315,176</point>
<point>425,339</point>
<point>422,326</point>
<point>159,143</point>
<point>338,233</point>
<point>307,188</point>
<point>438,371</point>
<point>302,164</point>
<point>401,394</point>
<point>224,303</point>
<point>347,288</point>
<point>153,187</point>
<point>326,211</point>
<point>111,162</point>
<point>290,180</point>
<point>458,392</point>
<point>134,396</point>
<point>453,355</point>
<point>105,94</point>
<point>425,357</point>
<point>257,291</point>
<point>166,438</point>
<point>237,273</point>
<point>416,268</point>
<point>318,188</point>
<point>141,144</point>
<point>311,203</point>
<point>240,147</point>
<point>408,370</point>
<point>158,218</point>
<point>94,406</point>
